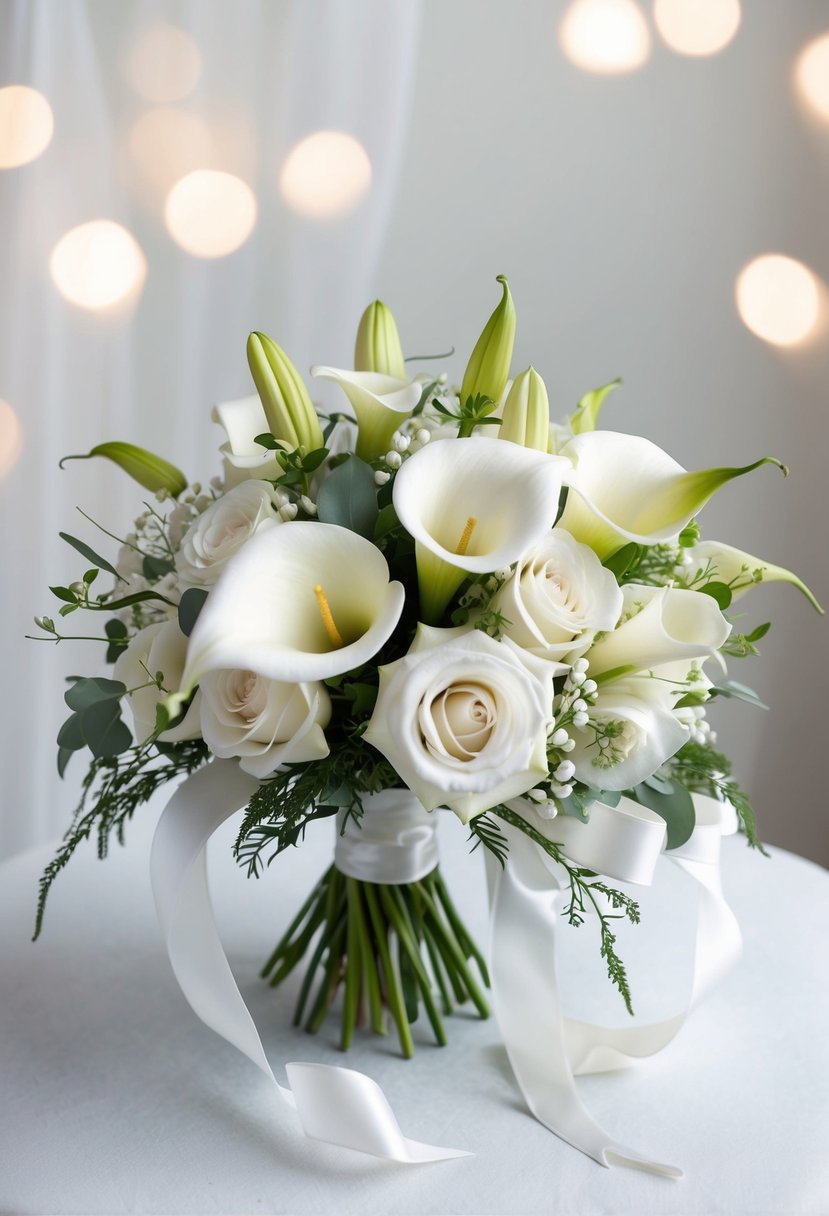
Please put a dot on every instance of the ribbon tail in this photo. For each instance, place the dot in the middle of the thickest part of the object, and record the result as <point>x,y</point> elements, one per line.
<point>524,908</point>
<point>337,1105</point>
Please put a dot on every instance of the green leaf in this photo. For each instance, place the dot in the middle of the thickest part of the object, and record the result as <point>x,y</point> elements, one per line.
<point>85,551</point>
<point>90,576</point>
<point>740,692</point>
<point>85,692</point>
<point>104,731</point>
<point>150,471</point>
<point>70,736</point>
<point>759,632</point>
<point>720,592</point>
<point>587,411</point>
<point>116,631</point>
<point>621,561</point>
<point>266,440</point>
<point>156,567</point>
<point>64,756</point>
<point>63,593</point>
<point>314,459</point>
<point>192,602</point>
<point>348,497</point>
<point>138,597</point>
<point>676,808</point>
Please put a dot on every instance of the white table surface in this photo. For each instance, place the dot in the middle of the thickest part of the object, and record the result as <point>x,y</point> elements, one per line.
<point>115,1098</point>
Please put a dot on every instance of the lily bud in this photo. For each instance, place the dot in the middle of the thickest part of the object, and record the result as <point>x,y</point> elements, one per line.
<point>378,348</point>
<point>288,409</point>
<point>526,417</point>
<point>488,369</point>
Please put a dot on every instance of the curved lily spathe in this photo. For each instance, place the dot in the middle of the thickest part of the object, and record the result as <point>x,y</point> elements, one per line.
<point>380,402</point>
<point>659,625</point>
<point>739,570</point>
<point>243,420</point>
<point>625,488</point>
<point>509,493</point>
<point>297,603</point>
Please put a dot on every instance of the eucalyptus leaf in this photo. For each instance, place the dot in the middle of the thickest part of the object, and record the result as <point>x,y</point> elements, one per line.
<point>64,756</point>
<point>720,592</point>
<point>192,602</point>
<point>156,567</point>
<point>348,497</point>
<point>63,593</point>
<point>677,809</point>
<point>84,549</point>
<point>740,692</point>
<point>70,736</point>
<point>104,731</point>
<point>85,692</point>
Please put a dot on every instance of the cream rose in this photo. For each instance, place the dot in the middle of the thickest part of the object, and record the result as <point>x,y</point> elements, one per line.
<point>157,648</point>
<point>223,529</point>
<point>558,598</point>
<point>264,722</point>
<point>463,719</point>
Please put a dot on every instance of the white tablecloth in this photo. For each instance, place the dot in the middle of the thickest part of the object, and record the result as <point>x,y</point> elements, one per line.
<point>114,1098</point>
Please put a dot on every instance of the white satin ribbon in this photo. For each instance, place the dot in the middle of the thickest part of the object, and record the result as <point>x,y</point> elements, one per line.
<point>394,842</point>
<point>337,1105</point>
<point>547,1050</point>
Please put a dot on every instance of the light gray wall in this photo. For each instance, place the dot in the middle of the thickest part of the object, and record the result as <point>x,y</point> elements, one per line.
<point>622,209</point>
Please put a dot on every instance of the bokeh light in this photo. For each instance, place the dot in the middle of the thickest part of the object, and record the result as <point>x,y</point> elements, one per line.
<point>97,265</point>
<point>605,36</point>
<point>812,75</point>
<point>11,438</point>
<point>778,299</point>
<point>163,64</point>
<point>325,175</point>
<point>165,143</point>
<point>697,27</point>
<point>26,125</point>
<point>209,213</point>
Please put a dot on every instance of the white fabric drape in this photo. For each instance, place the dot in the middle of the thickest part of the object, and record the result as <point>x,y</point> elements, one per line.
<point>272,72</point>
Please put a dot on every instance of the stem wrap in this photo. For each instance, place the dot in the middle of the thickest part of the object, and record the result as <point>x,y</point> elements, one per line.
<point>393,843</point>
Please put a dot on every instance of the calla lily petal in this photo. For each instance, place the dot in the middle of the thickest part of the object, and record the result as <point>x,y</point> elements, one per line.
<point>650,735</point>
<point>264,613</point>
<point>510,494</point>
<point>659,625</point>
<point>243,420</point>
<point>739,570</point>
<point>625,488</point>
<point>585,417</point>
<point>380,402</point>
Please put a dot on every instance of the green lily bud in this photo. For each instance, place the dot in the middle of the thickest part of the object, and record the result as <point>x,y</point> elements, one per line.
<point>378,348</point>
<point>488,369</point>
<point>288,408</point>
<point>526,418</point>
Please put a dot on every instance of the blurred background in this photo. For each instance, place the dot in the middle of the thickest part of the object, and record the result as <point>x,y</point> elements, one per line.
<point>653,177</point>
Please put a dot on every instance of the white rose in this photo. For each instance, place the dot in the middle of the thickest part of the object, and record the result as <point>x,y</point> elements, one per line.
<point>159,647</point>
<point>223,529</point>
<point>558,598</point>
<point>264,722</point>
<point>463,719</point>
<point>243,420</point>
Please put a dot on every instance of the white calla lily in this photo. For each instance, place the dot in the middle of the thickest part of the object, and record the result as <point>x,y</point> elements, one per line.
<point>297,603</point>
<point>381,403</point>
<point>631,732</point>
<point>659,625</point>
<point>625,488</point>
<point>243,420</point>
<point>473,506</point>
<point>739,570</point>
<point>463,719</point>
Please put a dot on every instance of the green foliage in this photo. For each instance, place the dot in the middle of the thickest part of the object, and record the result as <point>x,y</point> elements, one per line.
<point>282,807</point>
<point>474,411</point>
<point>150,471</point>
<point>741,645</point>
<point>117,638</point>
<point>483,830</point>
<point>739,692</point>
<point>348,497</point>
<point>116,786</point>
<point>96,721</point>
<point>720,592</point>
<point>582,892</point>
<point>91,556</point>
<point>703,770</point>
<point>672,802</point>
<point>190,605</point>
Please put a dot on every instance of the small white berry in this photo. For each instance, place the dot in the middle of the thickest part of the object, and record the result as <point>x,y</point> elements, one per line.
<point>579,705</point>
<point>394,459</point>
<point>423,436</point>
<point>537,795</point>
<point>400,442</point>
<point>560,738</point>
<point>581,665</point>
<point>309,507</point>
<point>569,745</point>
<point>380,478</point>
<point>589,687</point>
<point>548,811</point>
<point>565,770</point>
<point>288,512</point>
<point>577,678</point>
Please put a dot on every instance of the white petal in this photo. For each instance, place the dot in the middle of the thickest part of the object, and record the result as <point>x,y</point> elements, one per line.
<point>370,389</point>
<point>263,612</point>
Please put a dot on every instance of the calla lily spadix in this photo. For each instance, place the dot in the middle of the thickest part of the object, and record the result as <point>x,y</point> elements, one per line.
<point>380,402</point>
<point>669,624</point>
<point>739,570</point>
<point>625,488</point>
<point>473,506</point>
<point>297,603</point>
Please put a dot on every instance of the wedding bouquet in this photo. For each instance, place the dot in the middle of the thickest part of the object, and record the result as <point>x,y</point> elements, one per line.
<point>435,598</point>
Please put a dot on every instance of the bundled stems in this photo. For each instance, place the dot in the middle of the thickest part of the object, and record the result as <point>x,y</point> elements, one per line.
<point>391,949</point>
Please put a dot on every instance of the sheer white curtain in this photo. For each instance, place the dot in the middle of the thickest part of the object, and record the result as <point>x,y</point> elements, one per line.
<point>272,72</point>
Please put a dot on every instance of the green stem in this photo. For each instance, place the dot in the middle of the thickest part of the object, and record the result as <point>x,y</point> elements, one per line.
<point>393,994</point>
<point>292,928</point>
<point>353,966</point>
<point>330,981</point>
<point>458,928</point>
<point>454,951</point>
